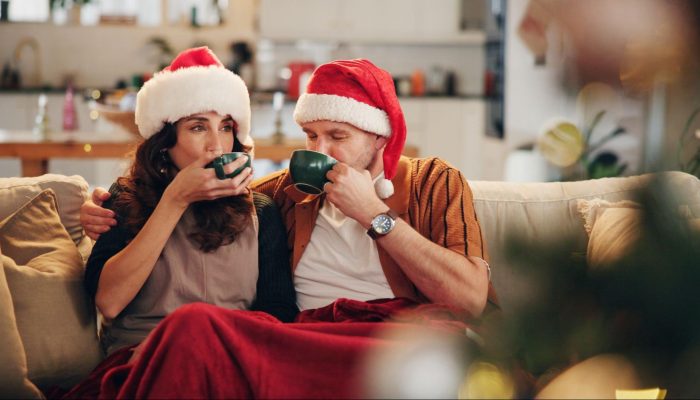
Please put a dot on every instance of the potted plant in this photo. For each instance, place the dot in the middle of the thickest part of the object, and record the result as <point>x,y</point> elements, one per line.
<point>688,152</point>
<point>565,146</point>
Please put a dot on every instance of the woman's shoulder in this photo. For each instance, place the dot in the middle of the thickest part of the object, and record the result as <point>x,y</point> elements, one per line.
<point>266,209</point>
<point>116,191</point>
<point>262,202</point>
<point>269,218</point>
<point>272,184</point>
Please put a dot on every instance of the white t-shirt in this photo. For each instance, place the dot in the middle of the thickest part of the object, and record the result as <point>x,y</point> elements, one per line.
<point>340,260</point>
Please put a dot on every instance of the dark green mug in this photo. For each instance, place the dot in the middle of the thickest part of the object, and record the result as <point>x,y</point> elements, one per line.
<point>309,168</point>
<point>226,158</point>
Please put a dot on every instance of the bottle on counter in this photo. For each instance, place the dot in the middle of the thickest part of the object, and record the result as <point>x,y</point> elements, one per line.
<point>418,83</point>
<point>403,86</point>
<point>435,80</point>
<point>41,121</point>
<point>451,84</point>
<point>70,120</point>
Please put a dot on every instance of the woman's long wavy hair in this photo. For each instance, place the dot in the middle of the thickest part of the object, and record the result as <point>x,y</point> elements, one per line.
<point>218,222</point>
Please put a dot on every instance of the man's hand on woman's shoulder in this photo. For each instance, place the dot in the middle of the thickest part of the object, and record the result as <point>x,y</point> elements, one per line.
<point>94,218</point>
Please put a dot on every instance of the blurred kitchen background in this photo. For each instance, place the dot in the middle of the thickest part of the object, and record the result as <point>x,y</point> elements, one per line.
<point>521,90</point>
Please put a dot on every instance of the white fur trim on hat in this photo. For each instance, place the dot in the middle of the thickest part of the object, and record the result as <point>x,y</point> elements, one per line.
<point>171,95</point>
<point>317,107</point>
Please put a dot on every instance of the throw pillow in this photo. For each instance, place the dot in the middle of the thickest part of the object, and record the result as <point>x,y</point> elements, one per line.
<point>613,229</point>
<point>71,192</point>
<point>45,276</point>
<point>594,378</point>
<point>13,362</point>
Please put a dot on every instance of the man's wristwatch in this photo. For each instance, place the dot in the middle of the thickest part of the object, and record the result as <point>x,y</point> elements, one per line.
<point>382,224</point>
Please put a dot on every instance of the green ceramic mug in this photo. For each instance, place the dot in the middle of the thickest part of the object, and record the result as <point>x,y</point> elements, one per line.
<point>308,169</point>
<point>226,158</point>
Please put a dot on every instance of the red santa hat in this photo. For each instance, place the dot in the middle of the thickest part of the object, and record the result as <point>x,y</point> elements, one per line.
<point>361,94</point>
<point>195,82</point>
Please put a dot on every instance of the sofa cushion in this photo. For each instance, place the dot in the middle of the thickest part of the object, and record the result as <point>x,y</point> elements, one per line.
<point>71,192</point>
<point>13,362</point>
<point>613,229</point>
<point>45,273</point>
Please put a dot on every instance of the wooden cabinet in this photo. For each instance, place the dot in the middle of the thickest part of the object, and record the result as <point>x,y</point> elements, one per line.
<point>280,19</point>
<point>371,20</point>
<point>360,20</point>
<point>438,19</point>
<point>454,130</point>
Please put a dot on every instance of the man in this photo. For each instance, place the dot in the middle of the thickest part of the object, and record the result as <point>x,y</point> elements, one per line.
<point>387,226</point>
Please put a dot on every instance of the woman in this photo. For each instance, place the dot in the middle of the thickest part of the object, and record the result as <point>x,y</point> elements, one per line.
<point>185,236</point>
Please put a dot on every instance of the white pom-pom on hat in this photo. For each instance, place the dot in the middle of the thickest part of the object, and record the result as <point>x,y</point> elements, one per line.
<point>384,188</point>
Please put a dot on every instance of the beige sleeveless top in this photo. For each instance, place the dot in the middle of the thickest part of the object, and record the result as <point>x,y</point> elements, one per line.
<point>184,274</point>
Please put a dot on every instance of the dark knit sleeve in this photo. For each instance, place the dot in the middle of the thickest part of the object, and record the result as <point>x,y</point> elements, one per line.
<point>275,288</point>
<point>109,244</point>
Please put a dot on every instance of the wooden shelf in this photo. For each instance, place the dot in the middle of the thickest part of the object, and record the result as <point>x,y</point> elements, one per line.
<point>473,37</point>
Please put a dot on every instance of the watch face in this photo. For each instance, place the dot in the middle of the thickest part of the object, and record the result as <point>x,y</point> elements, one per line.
<point>382,224</point>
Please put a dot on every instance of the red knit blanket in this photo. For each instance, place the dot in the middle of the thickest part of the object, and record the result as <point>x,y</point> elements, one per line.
<point>204,351</point>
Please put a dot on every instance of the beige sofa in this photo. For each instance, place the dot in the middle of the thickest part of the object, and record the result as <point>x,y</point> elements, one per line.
<point>549,212</point>
<point>48,329</point>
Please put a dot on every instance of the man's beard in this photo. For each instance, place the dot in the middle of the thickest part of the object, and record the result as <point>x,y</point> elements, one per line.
<point>365,161</point>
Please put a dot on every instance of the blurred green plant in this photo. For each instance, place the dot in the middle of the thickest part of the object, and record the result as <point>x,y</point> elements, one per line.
<point>164,51</point>
<point>646,306</point>
<point>605,164</point>
<point>692,165</point>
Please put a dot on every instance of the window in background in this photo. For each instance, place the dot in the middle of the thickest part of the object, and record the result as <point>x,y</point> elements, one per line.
<point>28,10</point>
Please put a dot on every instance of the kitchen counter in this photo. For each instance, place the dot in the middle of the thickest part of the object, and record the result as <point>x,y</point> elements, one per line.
<point>34,153</point>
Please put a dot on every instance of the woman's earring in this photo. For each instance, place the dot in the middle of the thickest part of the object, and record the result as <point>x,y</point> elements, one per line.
<point>164,160</point>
